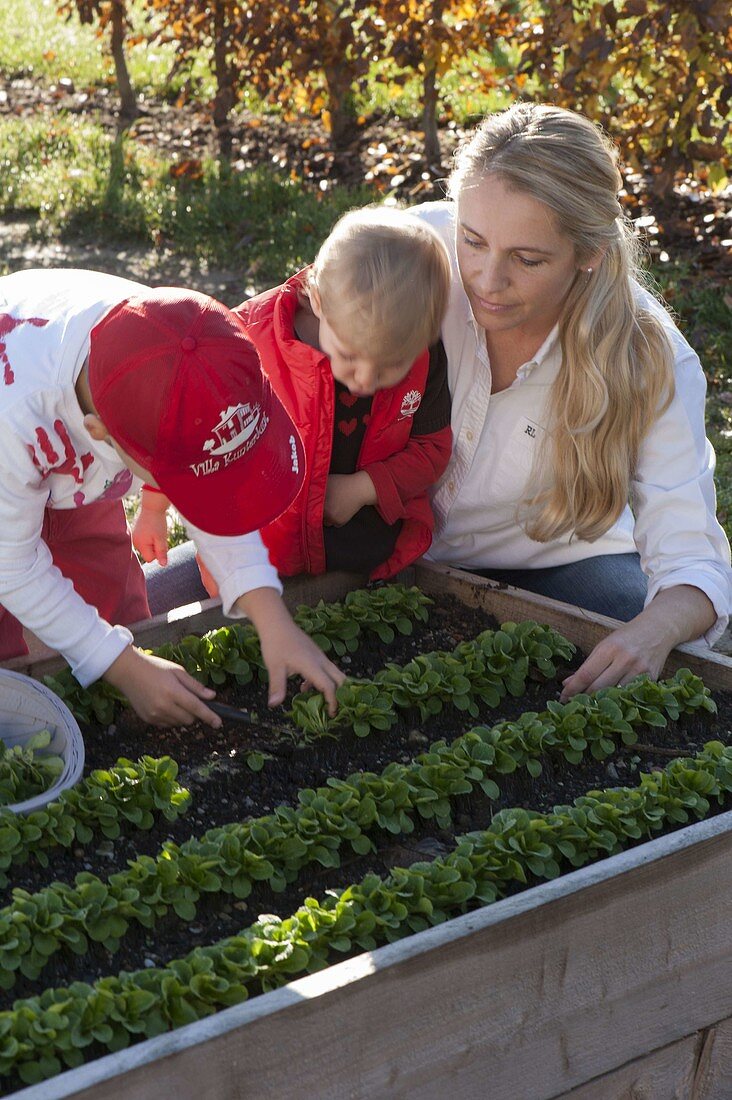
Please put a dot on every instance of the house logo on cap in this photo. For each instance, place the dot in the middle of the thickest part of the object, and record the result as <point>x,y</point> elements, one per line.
<point>238,430</point>
<point>237,425</point>
<point>410,403</point>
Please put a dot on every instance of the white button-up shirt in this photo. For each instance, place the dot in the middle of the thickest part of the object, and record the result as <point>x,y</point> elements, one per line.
<point>673,524</point>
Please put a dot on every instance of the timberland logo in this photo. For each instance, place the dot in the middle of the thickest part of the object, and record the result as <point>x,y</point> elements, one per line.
<point>239,428</point>
<point>410,403</point>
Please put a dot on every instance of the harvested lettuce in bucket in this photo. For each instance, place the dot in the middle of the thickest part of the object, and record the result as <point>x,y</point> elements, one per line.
<point>28,770</point>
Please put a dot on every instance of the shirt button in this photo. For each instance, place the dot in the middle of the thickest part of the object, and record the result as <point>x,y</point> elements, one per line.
<point>469,437</point>
<point>451,486</point>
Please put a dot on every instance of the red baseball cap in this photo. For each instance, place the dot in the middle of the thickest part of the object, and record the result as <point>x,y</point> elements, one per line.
<point>180,388</point>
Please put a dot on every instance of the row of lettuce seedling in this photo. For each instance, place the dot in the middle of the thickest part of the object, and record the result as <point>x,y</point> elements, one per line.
<point>42,1035</point>
<point>495,663</point>
<point>482,670</point>
<point>274,849</point>
<point>233,652</point>
<point>97,806</point>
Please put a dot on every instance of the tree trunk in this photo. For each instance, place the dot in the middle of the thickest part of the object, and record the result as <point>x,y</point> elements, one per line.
<point>432,151</point>
<point>127,99</point>
<point>340,107</point>
<point>430,96</point>
<point>224,99</point>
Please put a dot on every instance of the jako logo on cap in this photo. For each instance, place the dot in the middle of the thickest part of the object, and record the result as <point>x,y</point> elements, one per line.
<point>295,464</point>
<point>239,428</point>
<point>410,403</point>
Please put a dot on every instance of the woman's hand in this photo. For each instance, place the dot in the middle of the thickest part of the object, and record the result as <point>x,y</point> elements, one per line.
<point>161,692</point>
<point>675,615</point>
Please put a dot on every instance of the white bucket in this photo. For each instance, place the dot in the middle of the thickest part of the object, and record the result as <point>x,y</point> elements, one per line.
<point>27,707</point>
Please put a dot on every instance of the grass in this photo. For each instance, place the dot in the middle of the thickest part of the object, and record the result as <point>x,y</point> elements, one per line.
<point>463,94</point>
<point>75,180</point>
<point>704,315</point>
<point>36,41</point>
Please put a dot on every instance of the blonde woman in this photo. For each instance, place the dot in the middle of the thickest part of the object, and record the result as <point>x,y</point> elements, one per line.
<point>580,466</point>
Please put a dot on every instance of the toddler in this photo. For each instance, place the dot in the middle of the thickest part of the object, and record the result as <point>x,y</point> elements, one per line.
<point>351,348</point>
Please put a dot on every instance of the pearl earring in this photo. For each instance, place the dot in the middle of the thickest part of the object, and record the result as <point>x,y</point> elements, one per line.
<point>589,270</point>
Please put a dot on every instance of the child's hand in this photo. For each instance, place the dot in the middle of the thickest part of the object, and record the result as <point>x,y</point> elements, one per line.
<point>287,650</point>
<point>150,530</point>
<point>161,692</point>
<point>206,579</point>
<point>345,495</point>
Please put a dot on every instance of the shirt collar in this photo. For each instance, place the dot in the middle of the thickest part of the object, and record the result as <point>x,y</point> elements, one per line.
<point>549,353</point>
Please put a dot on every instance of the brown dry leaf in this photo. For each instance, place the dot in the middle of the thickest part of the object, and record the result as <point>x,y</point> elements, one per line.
<point>192,169</point>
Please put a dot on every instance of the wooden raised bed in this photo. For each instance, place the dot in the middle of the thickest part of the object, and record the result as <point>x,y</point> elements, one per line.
<point>614,981</point>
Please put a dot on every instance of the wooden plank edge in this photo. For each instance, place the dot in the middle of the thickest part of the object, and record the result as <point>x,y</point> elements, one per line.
<point>370,965</point>
<point>504,602</point>
<point>584,628</point>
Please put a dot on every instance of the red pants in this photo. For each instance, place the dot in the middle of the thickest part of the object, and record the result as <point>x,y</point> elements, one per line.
<point>91,545</point>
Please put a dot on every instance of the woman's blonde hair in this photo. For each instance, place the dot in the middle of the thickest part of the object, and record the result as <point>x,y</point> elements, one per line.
<point>383,281</point>
<point>617,364</point>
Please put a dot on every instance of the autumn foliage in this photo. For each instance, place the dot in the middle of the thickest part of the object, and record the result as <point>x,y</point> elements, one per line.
<point>429,36</point>
<point>657,75</point>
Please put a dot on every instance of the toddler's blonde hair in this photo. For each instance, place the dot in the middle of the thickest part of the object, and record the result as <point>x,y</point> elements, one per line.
<point>383,280</point>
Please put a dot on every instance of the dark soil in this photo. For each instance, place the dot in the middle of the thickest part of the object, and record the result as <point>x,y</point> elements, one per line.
<point>213,766</point>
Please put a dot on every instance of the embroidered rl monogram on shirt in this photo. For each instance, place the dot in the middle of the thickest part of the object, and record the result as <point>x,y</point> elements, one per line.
<point>7,325</point>
<point>530,428</point>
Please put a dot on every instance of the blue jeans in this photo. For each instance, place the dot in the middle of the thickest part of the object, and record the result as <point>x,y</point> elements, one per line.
<point>176,583</point>
<point>610,584</point>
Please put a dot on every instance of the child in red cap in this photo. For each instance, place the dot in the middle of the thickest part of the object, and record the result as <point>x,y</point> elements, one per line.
<point>345,345</point>
<point>103,378</point>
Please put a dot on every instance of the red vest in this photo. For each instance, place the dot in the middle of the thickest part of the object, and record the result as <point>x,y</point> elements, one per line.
<point>302,378</point>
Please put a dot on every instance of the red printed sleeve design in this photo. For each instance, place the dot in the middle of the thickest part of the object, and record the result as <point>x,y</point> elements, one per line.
<point>7,324</point>
<point>47,460</point>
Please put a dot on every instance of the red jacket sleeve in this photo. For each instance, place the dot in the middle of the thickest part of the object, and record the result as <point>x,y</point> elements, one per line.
<point>409,472</point>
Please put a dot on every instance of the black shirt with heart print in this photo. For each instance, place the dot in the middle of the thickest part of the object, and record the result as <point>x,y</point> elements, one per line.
<point>367,540</point>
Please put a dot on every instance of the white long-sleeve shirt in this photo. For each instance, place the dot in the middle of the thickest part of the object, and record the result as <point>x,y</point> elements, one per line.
<point>48,459</point>
<point>495,436</point>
